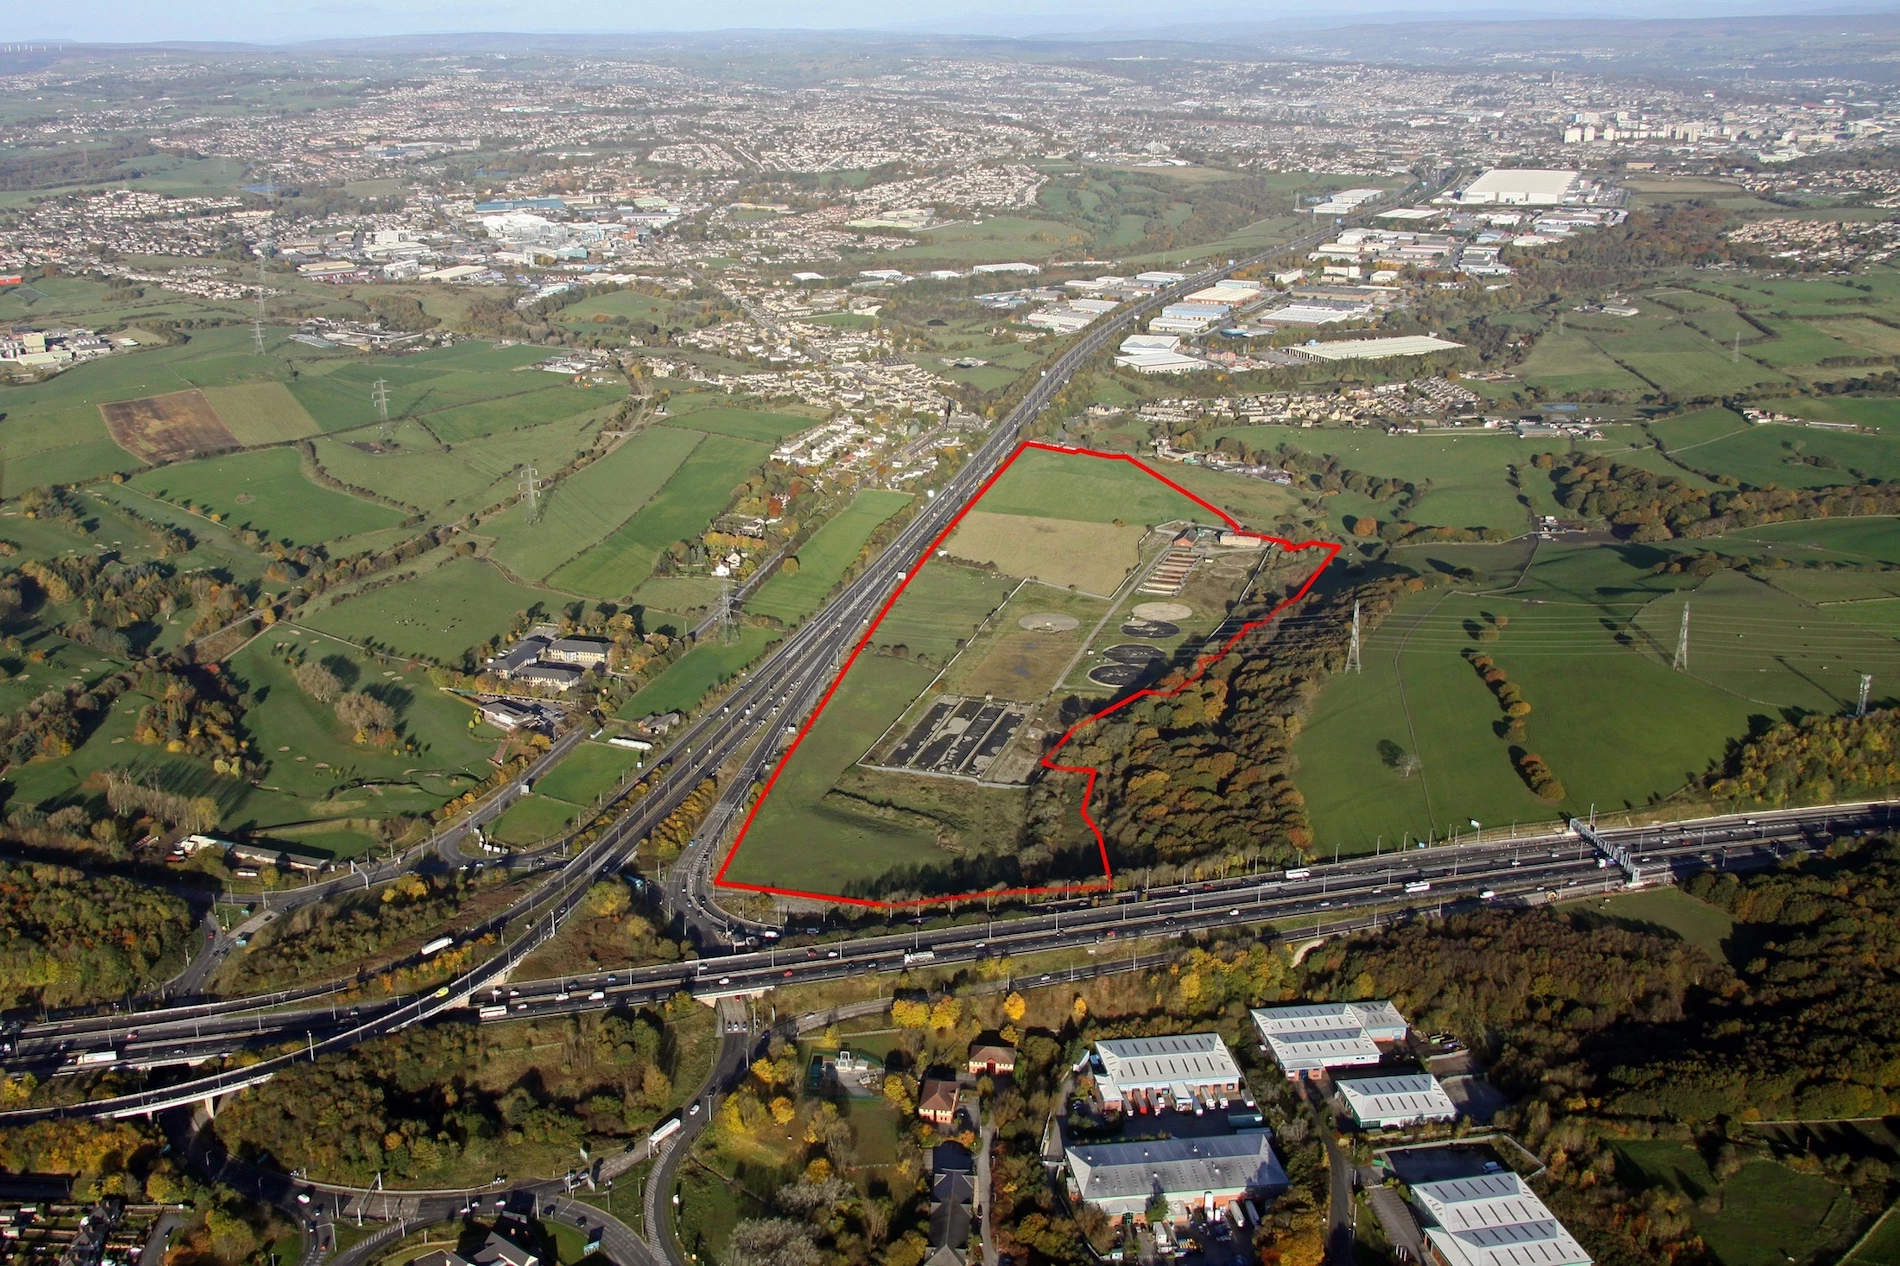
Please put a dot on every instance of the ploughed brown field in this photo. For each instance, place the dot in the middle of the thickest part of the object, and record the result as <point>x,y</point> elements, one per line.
<point>167,428</point>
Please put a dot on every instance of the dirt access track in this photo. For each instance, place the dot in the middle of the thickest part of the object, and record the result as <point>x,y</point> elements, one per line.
<point>1050,759</point>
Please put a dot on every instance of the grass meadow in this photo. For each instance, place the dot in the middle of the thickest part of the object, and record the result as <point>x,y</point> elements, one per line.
<point>1766,1215</point>
<point>438,614</point>
<point>800,838</point>
<point>684,682</point>
<point>589,504</point>
<point>267,490</point>
<point>825,556</point>
<point>697,493</point>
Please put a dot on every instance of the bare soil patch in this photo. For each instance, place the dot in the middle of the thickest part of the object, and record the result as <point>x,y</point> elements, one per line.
<point>167,428</point>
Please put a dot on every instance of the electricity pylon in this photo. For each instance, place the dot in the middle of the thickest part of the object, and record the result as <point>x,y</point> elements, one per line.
<point>723,626</point>
<point>1681,661</point>
<point>530,487</point>
<point>1866,688</point>
<point>257,320</point>
<point>1352,648</point>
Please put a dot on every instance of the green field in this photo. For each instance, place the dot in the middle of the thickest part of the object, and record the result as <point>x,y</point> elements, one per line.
<point>1093,489</point>
<point>589,504</point>
<point>1881,1247</point>
<point>1469,480</point>
<point>1682,362</point>
<point>1418,696</point>
<point>685,681</point>
<point>744,424</point>
<point>1722,442</point>
<point>1860,411</point>
<point>314,769</point>
<point>459,393</point>
<point>802,838</point>
<point>536,406</point>
<point>1798,343</point>
<point>1668,909</point>
<point>591,769</point>
<point>439,614</point>
<point>939,607</point>
<point>1771,648</point>
<point>267,491</point>
<point>1861,542</point>
<point>1767,1215</point>
<point>823,558</point>
<point>993,240</point>
<point>54,433</point>
<point>418,471</point>
<point>1568,362</point>
<point>534,819</point>
<point>631,304</point>
<point>697,493</point>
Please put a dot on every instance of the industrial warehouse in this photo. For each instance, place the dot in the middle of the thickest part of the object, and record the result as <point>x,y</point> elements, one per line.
<point>1306,1039</point>
<point>1190,1071</point>
<point>1211,1174</point>
<point>1392,1100</point>
<point>1492,1220</point>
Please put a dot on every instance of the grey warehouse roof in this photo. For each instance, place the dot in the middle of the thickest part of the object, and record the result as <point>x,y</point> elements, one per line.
<point>1179,1167</point>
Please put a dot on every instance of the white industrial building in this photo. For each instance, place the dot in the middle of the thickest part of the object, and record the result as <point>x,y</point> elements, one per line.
<point>1492,1220</point>
<point>1208,1173</point>
<point>1189,318</point>
<point>1310,1037</point>
<point>1319,312</point>
<point>1160,363</point>
<point>1188,1071</point>
<point>1521,187</point>
<point>1396,1099</point>
<point>1342,201</point>
<point>1228,291</point>
<point>1380,348</point>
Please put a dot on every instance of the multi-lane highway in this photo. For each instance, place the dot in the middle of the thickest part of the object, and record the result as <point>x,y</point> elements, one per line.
<point>762,712</point>
<point>1350,894</point>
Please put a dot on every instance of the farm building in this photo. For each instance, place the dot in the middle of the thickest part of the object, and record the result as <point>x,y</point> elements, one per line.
<point>1492,1220</point>
<point>1308,1038</point>
<point>1145,1074</point>
<point>1123,1178</point>
<point>1396,1099</point>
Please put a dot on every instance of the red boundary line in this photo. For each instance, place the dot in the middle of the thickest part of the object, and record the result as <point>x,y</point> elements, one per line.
<point>1200,668</point>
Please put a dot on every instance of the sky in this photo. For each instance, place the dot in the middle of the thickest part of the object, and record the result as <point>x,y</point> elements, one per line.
<point>275,21</point>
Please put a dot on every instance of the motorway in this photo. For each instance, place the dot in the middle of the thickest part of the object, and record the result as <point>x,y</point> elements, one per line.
<point>1348,894</point>
<point>765,706</point>
<point>785,685</point>
<point>801,679</point>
